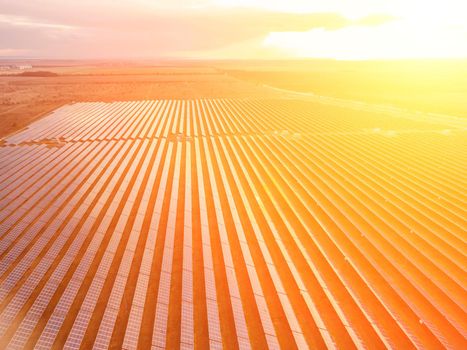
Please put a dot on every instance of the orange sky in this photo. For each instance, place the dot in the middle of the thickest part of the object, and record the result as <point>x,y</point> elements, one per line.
<point>341,29</point>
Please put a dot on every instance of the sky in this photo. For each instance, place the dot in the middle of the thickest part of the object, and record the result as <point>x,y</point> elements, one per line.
<point>228,29</point>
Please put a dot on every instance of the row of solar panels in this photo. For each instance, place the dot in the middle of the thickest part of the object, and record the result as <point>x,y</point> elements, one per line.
<point>342,240</point>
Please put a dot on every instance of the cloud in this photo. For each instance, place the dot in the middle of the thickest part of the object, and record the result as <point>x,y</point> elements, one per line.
<point>8,52</point>
<point>88,29</point>
<point>374,20</point>
<point>19,21</point>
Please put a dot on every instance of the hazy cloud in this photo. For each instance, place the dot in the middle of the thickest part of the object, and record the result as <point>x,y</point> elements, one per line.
<point>375,20</point>
<point>48,28</point>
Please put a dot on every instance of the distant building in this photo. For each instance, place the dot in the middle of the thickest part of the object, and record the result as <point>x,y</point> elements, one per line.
<point>15,66</point>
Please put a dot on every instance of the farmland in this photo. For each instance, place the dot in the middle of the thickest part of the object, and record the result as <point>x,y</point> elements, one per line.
<point>232,215</point>
<point>430,86</point>
<point>27,98</point>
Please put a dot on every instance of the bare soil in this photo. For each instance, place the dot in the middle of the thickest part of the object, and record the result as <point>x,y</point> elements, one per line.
<point>25,98</point>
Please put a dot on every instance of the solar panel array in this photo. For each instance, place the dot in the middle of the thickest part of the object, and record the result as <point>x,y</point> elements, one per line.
<point>236,223</point>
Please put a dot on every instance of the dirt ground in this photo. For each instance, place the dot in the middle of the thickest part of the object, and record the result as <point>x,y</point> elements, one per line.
<point>23,99</point>
<point>426,86</point>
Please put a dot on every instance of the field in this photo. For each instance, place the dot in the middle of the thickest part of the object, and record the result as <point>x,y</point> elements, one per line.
<point>427,86</point>
<point>25,98</point>
<point>223,213</point>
